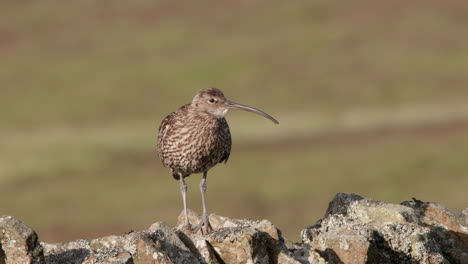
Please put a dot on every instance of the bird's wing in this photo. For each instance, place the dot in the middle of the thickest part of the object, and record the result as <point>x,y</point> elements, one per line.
<point>163,128</point>
<point>227,139</point>
<point>167,125</point>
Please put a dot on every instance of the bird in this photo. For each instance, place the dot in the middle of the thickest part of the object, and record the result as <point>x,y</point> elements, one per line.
<point>195,138</point>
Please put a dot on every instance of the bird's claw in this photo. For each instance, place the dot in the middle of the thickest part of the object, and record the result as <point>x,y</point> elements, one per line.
<point>204,226</point>
<point>185,227</point>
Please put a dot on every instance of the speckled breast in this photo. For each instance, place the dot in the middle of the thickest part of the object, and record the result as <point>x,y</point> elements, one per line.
<point>194,145</point>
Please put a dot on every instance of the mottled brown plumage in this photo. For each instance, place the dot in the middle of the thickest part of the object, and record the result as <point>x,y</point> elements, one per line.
<point>191,141</point>
<point>196,137</point>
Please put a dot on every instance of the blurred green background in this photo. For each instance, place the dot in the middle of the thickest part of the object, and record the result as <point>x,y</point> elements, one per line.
<point>371,98</point>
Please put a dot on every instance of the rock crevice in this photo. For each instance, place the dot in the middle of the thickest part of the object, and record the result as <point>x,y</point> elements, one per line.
<point>353,230</point>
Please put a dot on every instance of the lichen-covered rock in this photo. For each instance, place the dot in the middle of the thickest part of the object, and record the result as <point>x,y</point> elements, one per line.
<point>448,228</point>
<point>237,241</point>
<point>19,243</point>
<point>74,252</point>
<point>358,230</point>
<point>342,244</point>
<point>340,203</point>
<point>166,240</point>
<point>305,254</point>
<point>240,245</point>
<point>157,245</point>
<point>147,252</point>
<point>354,230</point>
<point>119,258</point>
<point>109,250</point>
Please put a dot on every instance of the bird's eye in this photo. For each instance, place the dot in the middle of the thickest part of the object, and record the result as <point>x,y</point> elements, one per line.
<point>212,100</point>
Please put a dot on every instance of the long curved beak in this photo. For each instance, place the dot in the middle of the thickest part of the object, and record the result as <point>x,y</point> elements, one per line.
<point>232,105</point>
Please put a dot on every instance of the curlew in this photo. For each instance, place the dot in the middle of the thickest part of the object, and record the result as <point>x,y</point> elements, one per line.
<point>195,138</point>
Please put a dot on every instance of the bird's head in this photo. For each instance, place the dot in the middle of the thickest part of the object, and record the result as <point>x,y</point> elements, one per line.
<point>212,101</point>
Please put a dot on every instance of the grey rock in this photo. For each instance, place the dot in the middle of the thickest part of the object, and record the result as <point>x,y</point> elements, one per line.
<point>149,252</point>
<point>305,254</point>
<point>340,203</point>
<point>448,228</point>
<point>354,230</point>
<point>261,241</point>
<point>464,215</point>
<point>120,258</point>
<point>109,250</point>
<point>74,252</point>
<point>159,244</point>
<point>358,230</point>
<point>166,239</point>
<point>19,243</point>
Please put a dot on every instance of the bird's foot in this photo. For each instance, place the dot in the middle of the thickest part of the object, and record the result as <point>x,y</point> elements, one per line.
<point>185,227</point>
<point>204,225</point>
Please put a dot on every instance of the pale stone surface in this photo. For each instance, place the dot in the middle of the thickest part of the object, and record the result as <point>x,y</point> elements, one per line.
<point>358,230</point>
<point>354,230</point>
<point>448,228</point>
<point>148,252</point>
<point>19,243</point>
<point>73,252</point>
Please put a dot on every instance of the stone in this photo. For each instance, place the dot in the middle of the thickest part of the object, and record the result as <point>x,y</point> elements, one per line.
<point>464,215</point>
<point>218,222</point>
<point>433,214</point>
<point>361,230</point>
<point>108,250</point>
<point>119,258</point>
<point>201,248</point>
<point>105,243</point>
<point>304,254</point>
<point>19,243</point>
<point>147,252</point>
<point>284,258</point>
<point>157,245</point>
<point>167,240</point>
<point>236,241</point>
<point>240,245</point>
<point>354,230</point>
<point>340,203</point>
<point>348,246</point>
<point>73,252</point>
<point>448,228</point>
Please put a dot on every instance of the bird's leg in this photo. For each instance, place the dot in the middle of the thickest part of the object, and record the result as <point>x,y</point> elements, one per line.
<point>183,190</point>
<point>204,222</point>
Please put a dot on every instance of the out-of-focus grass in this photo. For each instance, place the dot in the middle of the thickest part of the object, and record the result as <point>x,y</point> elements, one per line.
<point>93,61</point>
<point>84,85</point>
<point>65,149</point>
<point>290,186</point>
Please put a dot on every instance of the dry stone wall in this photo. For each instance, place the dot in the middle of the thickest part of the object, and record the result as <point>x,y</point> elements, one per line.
<point>354,230</point>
